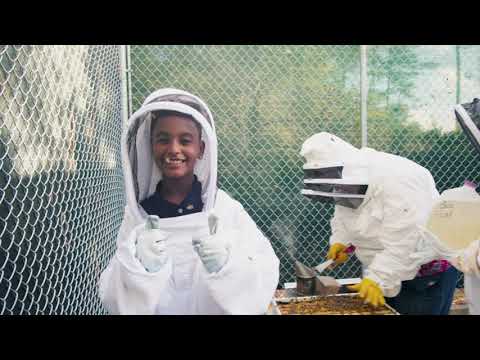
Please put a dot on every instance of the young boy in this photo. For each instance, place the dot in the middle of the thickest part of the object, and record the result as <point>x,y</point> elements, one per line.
<point>184,246</point>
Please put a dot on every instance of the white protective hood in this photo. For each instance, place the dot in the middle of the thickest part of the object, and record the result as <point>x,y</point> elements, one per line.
<point>325,151</point>
<point>140,171</point>
<point>468,116</point>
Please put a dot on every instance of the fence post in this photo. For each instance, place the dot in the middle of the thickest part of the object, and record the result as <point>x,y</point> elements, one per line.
<point>458,65</point>
<point>363,94</point>
<point>125,76</point>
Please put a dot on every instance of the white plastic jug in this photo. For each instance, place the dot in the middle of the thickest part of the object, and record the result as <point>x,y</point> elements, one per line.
<point>455,218</point>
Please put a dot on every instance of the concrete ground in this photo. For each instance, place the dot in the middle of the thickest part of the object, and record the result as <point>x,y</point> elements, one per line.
<point>459,305</point>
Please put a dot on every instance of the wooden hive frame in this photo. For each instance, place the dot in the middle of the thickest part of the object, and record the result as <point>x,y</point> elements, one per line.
<point>339,304</point>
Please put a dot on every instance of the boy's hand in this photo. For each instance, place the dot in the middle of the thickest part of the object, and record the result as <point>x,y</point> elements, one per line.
<point>150,245</point>
<point>212,248</point>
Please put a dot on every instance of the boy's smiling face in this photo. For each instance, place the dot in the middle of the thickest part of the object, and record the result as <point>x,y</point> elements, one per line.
<point>176,146</point>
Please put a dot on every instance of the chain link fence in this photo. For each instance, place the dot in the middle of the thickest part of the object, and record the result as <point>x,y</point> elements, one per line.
<point>61,187</point>
<point>412,93</point>
<point>268,99</point>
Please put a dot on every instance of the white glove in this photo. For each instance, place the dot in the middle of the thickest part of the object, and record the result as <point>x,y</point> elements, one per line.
<point>150,245</point>
<point>468,260</point>
<point>212,249</point>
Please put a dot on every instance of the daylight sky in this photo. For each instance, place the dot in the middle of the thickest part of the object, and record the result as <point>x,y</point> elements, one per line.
<point>435,89</point>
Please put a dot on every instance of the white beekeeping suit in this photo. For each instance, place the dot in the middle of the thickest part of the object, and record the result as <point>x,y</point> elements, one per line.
<point>466,260</point>
<point>470,266</point>
<point>468,115</point>
<point>247,281</point>
<point>381,199</point>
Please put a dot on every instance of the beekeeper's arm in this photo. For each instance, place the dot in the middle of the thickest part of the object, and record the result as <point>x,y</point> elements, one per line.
<point>138,276</point>
<point>399,237</point>
<point>468,261</point>
<point>339,239</point>
<point>465,260</point>
<point>241,269</point>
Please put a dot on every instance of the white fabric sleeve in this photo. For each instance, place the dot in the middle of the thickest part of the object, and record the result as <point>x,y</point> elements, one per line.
<point>339,231</point>
<point>472,293</point>
<point>472,254</point>
<point>246,283</point>
<point>399,238</point>
<point>125,287</point>
<point>468,260</point>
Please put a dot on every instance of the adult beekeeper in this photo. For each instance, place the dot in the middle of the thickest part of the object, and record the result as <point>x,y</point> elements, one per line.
<point>465,259</point>
<point>381,200</point>
<point>184,246</point>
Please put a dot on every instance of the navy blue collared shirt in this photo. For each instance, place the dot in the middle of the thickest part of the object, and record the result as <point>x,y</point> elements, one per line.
<point>156,205</point>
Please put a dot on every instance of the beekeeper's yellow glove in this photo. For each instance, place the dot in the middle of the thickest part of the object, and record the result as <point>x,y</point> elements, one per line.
<point>337,253</point>
<point>370,291</point>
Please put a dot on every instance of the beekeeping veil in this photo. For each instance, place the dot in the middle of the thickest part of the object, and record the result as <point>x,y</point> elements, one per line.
<point>140,170</point>
<point>335,171</point>
<point>468,116</point>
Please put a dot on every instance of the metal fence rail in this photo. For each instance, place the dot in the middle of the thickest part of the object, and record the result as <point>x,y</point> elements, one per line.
<point>61,189</point>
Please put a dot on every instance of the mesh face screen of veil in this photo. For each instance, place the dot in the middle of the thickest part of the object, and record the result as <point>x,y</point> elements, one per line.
<point>323,173</point>
<point>468,116</point>
<point>337,188</point>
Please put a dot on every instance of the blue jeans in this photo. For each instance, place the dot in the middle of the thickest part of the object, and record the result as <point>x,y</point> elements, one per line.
<point>428,295</point>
